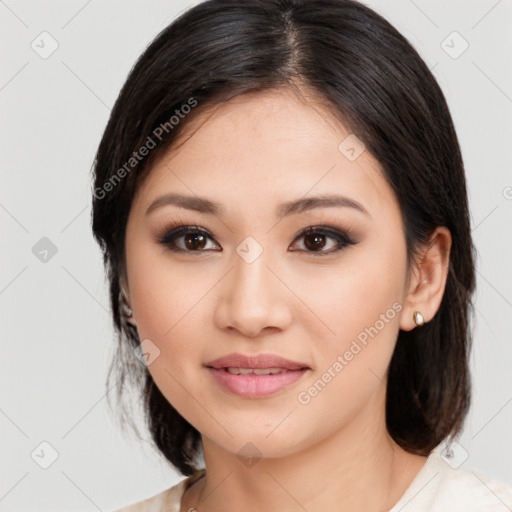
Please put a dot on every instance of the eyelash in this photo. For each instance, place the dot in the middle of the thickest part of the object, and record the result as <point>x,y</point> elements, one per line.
<point>172,233</point>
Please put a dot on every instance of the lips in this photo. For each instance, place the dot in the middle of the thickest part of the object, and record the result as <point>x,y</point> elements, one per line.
<point>255,376</point>
<point>255,386</point>
<point>261,361</point>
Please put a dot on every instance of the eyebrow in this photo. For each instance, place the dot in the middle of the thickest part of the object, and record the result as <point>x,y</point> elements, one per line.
<point>203,205</point>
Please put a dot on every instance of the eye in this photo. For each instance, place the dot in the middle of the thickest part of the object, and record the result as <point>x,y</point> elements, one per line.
<point>316,239</point>
<point>185,239</point>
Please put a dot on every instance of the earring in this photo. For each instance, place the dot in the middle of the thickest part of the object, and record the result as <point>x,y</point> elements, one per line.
<point>418,318</point>
<point>126,310</point>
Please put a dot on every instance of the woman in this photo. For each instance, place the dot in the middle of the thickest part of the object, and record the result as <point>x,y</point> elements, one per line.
<point>281,202</point>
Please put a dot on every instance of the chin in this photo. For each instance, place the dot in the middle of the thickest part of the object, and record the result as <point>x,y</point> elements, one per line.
<point>256,443</point>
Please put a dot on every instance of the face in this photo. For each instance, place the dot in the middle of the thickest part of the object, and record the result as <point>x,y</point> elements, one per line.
<point>251,279</point>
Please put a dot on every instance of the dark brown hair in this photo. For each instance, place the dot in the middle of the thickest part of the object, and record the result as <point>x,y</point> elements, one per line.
<point>375,82</point>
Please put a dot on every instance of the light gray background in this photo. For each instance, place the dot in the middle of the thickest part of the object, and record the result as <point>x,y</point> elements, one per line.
<point>56,337</point>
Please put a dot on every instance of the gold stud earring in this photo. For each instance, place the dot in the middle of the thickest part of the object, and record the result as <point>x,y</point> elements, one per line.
<point>127,310</point>
<point>418,318</point>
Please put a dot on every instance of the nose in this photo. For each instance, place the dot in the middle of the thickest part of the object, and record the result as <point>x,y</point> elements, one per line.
<point>253,300</point>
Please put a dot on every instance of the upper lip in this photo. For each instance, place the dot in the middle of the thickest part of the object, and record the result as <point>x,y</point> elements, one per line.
<point>255,361</point>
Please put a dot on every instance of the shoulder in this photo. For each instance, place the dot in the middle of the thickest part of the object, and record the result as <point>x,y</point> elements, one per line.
<point>439,487</point>
<point>168,500</point>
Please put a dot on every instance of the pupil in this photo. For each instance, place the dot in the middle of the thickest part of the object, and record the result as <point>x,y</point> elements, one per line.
<point>192,239</point>
<point>318,241</point>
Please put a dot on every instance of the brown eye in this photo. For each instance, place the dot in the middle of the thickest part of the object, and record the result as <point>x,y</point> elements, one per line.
<point>315,241</point>
<point>316,238</point>
<point>194,241</point>
<point>185,239</point>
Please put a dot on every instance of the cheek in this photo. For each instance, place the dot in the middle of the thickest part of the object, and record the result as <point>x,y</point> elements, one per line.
<point>169,300</point>
<point>357,292</point>
<point>360,306</point>
<point>167,303</point>
<point>351,364</point>
<point>163,292</point>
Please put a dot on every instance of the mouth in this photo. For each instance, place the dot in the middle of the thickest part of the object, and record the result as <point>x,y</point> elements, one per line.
<point>255,371</point>
<point>255,362</point>
<point>255,376</point>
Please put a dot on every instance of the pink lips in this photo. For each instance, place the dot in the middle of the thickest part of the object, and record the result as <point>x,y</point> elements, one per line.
<point>252,385</point>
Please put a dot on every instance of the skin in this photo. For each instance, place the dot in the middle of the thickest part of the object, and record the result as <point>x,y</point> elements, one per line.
<point>251,154</point>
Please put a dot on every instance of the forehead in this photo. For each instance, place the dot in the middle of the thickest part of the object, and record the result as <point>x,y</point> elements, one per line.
<point>265,146</point>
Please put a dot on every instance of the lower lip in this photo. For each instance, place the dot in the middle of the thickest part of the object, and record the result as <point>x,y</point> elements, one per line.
<point>255,386</point>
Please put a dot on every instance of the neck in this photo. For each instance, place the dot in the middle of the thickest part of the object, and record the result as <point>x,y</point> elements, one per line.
<point>335,473</point>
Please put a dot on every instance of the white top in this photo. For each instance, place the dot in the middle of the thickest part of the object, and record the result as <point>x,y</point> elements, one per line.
<point>437,488</point>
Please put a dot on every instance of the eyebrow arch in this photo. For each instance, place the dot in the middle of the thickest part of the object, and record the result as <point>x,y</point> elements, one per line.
<point>297,206</point>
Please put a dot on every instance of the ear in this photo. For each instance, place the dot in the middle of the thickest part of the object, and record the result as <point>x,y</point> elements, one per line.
<point>123,283</point>
<point>428,279</point>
